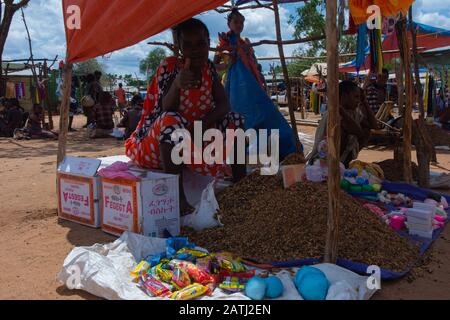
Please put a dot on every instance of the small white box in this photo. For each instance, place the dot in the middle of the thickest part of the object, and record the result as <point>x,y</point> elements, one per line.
<point>78,190</point>
<point>420,214</point>
<point>147,206</point>
<point>424,206</point>
<point>419,227</point>
<point>423,222</point>
<point>428,234</point>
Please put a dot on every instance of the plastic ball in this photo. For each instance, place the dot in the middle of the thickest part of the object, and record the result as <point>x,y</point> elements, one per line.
<point>274,287</point>
<point>345,184</point>
<point>311,283</point>
<point>255,288</point>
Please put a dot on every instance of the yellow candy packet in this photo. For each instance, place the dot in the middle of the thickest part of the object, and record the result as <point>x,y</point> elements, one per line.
<point>140,270</point>
<point>190,292</point>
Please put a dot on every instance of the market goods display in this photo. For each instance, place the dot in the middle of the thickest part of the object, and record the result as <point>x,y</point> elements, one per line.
<point>393,170</point>
<point>293,158</point>
<point>266,223</point>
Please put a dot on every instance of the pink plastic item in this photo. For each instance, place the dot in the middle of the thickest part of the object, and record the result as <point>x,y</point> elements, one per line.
<point>375,209</point>
<point>439,219</point>
<point>397,222</point>
<point>117,170</point>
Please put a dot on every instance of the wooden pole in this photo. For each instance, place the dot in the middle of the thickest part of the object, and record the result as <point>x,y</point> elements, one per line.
<point>407,124</point>
<point>302,99</point>
<point>416,65</point>
<point>286,76</point>
<point>47,97</point>
<point>333,134</point>
<point>64,113</point>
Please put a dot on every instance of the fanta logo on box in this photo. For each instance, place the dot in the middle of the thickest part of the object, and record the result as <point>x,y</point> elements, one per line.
<point>76,197</point>
<point>117,206</point>
<point>160,189</point>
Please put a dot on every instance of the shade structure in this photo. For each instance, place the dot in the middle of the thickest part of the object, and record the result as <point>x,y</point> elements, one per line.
<point>358,8</point>
<point>239,2</point>
<point>95,28</point>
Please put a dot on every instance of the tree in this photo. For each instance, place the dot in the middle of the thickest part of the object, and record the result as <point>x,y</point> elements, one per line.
<point>6,16</point>
<point>149,65</point>
<point>310,21</point>
<point>89,66</point>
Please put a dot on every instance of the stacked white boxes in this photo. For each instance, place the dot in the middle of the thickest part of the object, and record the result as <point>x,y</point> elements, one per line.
<point>420,219</point>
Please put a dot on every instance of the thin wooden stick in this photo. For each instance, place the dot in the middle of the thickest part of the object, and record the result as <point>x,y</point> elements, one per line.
<point>287,42</point>
<point>64,113</point>
<point>407,124</point>
<point>333,135</point>
<point>286,76</point>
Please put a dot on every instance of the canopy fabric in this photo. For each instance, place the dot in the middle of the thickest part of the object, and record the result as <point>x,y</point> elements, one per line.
<point>438,56</point>
<point>358,8</point>
<point>109,25</point>
<point>239,2</point>
<point>428,38</point>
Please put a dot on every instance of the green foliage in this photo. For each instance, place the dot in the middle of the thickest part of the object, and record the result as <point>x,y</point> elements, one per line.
<point>149,65</point>
<point>86,67</point>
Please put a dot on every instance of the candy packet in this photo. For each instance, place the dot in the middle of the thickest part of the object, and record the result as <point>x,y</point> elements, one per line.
<point>154,287</point>
<point>190,292</point>
<point>141,269</point>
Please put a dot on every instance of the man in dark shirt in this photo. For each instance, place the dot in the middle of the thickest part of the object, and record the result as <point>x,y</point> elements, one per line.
<point>376,90</point>
<point>103,117</point>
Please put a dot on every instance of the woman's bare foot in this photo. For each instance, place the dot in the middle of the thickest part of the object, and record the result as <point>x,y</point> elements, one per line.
<point>185,208</point>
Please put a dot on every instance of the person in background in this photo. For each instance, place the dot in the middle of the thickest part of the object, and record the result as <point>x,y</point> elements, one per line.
<point>73,107</point>
<point>13,118</point>
<point>355,124</point>
<point>93,91</point>
<point>376,90</point>
<point>121,99</point>
<point>103,117</point>
<point>34,125</point>
<point>132,116</point>
<point>440,103</point>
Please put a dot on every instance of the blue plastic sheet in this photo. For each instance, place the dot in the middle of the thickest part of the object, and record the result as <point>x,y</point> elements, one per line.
<point>361,268</point>
<point>249,99</point>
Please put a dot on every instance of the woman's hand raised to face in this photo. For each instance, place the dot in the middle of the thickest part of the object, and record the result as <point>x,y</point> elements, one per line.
<point>187,79</point>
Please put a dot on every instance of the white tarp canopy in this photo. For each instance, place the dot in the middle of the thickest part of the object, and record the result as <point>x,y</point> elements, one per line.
<point>314,70</point>
<point>104,271</point>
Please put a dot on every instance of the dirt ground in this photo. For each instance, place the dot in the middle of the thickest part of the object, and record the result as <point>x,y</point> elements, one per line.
<point>34,242</point>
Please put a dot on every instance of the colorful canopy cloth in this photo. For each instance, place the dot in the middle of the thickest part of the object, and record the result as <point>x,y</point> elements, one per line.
<point>428,37</point>
<point>248,98</point>
<point>157,126</point>
<point>95,28</point>
<point>358,8</point>
<point>239,2</point>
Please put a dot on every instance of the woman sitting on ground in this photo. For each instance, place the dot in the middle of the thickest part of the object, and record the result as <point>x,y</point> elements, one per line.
<point>183,91</point>
<point>34,125</point>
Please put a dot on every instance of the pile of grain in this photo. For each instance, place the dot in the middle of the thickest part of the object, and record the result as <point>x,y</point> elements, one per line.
<point>393,170</point>
<point>266,223</point>
<point>439,136</point>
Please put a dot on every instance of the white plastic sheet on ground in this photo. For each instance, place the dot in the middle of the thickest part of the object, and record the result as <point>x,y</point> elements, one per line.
<point>104,271</point>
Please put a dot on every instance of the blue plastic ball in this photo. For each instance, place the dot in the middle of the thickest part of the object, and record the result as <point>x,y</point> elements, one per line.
<point>274,288</point>
<point>255,288</point>
<point>311,283</point>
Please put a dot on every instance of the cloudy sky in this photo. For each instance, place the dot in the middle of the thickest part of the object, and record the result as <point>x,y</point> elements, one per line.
<point>44,19</point>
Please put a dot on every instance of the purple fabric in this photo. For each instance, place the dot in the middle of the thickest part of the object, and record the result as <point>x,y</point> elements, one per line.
<point>117,170</point>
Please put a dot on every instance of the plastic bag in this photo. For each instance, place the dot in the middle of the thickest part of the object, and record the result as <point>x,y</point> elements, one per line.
<point>204,216</point>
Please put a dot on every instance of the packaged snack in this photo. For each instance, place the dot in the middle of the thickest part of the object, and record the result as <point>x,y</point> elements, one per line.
<point>141,269</point>
<point>232,284</point>
<point>153,260</point>
<point>190,292</point>
<point>204,264</point>
<point>180,278</point>
<point>246,275</point>
<point>163,272</point>
<point>193,252</point>
<point>195,273</point>
<point>229,264</point>
<point>154,287</point>
<point>176,243</point>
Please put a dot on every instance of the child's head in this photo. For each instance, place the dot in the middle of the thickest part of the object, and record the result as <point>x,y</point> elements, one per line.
<point>193,40</point>
<point>104,98</point>
<point>349,95</point>
<point>236,21</point>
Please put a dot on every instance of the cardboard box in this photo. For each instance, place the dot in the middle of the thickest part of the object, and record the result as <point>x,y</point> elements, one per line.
<point>147,206</point>
<point>78,191</point>
<point>292,174</point>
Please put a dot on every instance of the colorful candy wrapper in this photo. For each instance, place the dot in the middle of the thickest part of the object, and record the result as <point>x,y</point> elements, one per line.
<point>176,243</point>
<point>163,272</point>
<point>195,273</point>
<point>180,278</point>
<point>140,270</point>
<point>204,264</point>
<point>154,287</point>
<point>229,264</point>
<point>232,284</point>
<point>193,252</point>
<point>246,275</point>
<point>190,292</point>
